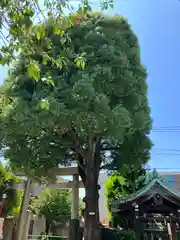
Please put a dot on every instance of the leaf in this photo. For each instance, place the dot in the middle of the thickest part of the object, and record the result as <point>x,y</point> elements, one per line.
<point>80,62</point>
<point>4,100</point>
<point>58,30</point>
<point>50,81</point>
<point>40,33</point>
<point>46,58</point>
<point>44,104</point>
<point>60,62</point>
<point>72,19</point>
<point>34,70</point>
<point>63,40</point>
<point>5,59</point>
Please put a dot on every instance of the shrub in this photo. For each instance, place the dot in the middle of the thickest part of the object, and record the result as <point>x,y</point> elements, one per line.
<point>114,234</point>
<point>43,237</point>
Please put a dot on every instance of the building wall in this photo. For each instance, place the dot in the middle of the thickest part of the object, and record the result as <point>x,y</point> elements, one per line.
<point>173,179</point>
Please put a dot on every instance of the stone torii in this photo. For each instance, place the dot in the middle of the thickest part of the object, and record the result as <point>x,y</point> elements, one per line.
<point>34,189</point>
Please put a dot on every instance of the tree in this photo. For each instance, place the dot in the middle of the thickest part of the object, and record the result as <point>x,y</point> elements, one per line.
<point>134,150</point>
<point>122,184</point>
<point>17,18</point>
<point>54,205</point>
<point>74,110</point>
<point>12,201</point>
<point>128,178</point>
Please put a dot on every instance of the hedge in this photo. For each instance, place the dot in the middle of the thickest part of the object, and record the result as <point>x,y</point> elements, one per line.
<point>115,234</point>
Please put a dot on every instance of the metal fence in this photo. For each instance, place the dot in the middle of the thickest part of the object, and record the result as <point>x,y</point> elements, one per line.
<point>40,237</point>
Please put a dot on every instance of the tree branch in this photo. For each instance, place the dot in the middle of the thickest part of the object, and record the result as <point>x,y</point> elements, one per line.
<point>40,11</point>
<point>3,40</point>
<point>77,143</point>
<point>81,168</point>
<point>109,148</point>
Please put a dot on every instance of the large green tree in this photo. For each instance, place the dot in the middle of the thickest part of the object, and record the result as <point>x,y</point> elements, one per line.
<point>74,110</point>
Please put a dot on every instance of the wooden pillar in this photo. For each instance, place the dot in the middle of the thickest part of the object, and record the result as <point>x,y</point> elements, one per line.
<point>178,216</point>
<point>137,223</point>
<point>74,222</point>
<point>173,226</point>
<point>23,211</point>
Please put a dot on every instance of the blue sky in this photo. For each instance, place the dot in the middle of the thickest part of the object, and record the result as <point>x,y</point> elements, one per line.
<point>156,23</point>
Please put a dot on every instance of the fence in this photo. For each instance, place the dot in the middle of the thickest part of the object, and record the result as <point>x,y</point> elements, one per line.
<point>40,237</point>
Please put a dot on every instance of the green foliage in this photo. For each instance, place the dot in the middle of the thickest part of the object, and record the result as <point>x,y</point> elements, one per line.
<point>121,184</point>
<point>44,237</point>
<point>106,102</point>
<point>11,206</point>
<point>97,98</point>
<point>135,151</point>
<point>117,234</point>
<point>16,22</point>
<point>54,205</point>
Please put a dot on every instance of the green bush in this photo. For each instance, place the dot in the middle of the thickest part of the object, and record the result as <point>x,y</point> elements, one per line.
<point>43,237</point>
<point>56,238</point>
<point>114,234</point>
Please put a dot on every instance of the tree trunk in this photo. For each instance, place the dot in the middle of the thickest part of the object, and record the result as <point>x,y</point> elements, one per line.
<point>92,223</point>
<point>89,168</point>
<point>48,227</point>
<point>92,229</point>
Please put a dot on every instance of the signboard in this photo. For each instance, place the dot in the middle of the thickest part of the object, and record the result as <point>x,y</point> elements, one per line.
<point>1,227</point>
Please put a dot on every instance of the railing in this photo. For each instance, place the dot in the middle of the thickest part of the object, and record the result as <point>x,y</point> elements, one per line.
<point>41,237</point>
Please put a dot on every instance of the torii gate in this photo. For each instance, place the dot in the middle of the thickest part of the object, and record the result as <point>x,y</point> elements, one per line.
<point>31,187</point>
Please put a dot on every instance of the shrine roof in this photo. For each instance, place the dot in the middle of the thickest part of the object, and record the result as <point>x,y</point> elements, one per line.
<point>143,191</point>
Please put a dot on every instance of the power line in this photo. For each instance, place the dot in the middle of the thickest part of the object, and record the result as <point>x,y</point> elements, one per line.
<point>163,169</point>
<point>167,154</point>
<point>168,168</point>
<point>167,126</point>
<point>166,149</point>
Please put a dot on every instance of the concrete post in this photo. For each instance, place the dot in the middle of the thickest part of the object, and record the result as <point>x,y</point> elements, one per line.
<point>75,198</point>
<point>23,212</point>
<point>74,222</point>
